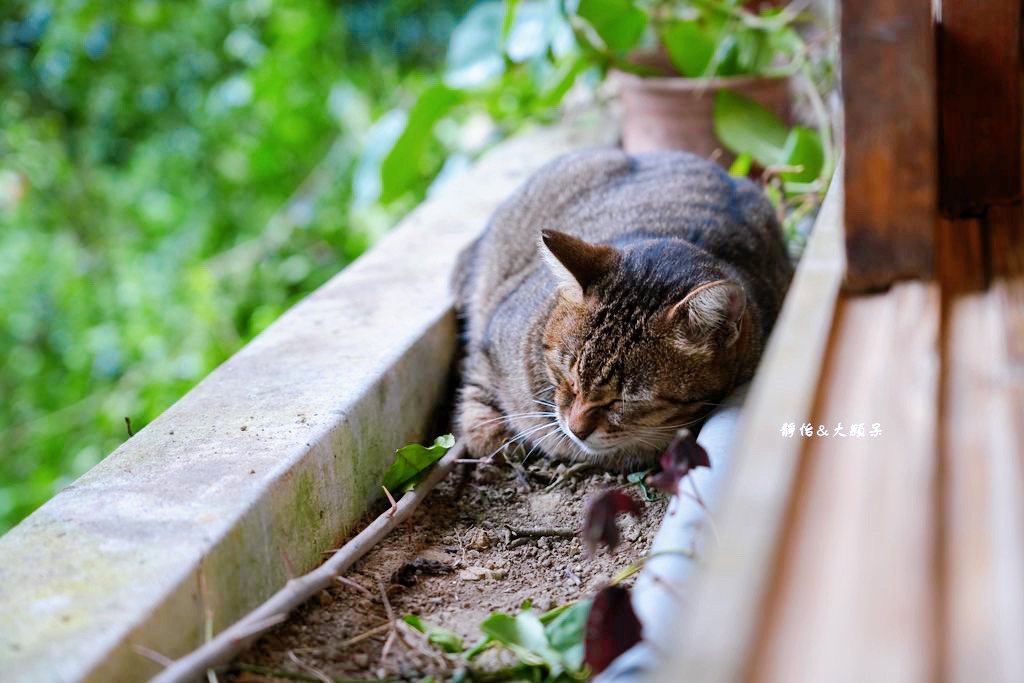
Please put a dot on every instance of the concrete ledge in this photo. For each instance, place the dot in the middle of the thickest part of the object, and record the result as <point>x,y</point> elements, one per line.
<point>268,462</point>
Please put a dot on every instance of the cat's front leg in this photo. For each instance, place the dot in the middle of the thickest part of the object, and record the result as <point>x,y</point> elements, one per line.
<point>480,423</point>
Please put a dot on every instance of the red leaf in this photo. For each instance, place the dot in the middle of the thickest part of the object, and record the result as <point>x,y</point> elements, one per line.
<point>612,628</point>
<point>681,456</point>
<point>600,526</point>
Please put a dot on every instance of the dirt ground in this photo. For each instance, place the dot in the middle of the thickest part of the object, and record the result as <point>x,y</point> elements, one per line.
<point>454,562</point>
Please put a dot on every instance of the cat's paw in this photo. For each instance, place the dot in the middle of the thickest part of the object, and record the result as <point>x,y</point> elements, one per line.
<point>481,428</point>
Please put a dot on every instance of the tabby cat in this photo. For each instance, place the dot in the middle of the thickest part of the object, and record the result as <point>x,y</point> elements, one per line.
<point>612,300</point>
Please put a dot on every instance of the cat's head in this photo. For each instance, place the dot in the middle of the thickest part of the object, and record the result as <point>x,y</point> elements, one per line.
<point>642,341</point>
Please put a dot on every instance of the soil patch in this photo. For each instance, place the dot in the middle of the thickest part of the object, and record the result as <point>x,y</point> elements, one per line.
<point>472,548</point>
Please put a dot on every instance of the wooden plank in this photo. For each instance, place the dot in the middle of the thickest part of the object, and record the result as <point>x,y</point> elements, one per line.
<point>961,254</point>
<point>856,597</point>
<point>979,88</point>
<point>1005,230</point>
<point>983,444</point>
<point>888,76</point>
<point>983,448</point>
<point>718,632</point>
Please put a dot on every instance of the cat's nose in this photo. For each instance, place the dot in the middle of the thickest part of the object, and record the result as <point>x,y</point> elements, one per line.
<point>581,420</point>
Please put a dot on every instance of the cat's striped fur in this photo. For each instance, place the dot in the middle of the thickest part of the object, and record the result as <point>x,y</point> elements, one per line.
<point>649,297</point>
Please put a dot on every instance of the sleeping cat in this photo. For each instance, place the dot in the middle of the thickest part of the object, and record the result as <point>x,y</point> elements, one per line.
<point>612,300</point>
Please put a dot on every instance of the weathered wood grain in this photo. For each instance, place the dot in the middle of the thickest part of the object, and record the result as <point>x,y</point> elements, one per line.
<point>979,86</point>
<point>961,254</point>
<point>982,447</point>
<point>888,74</point>
<point>983,453</point>
<point>856,600</point>
<point>1004,228</point>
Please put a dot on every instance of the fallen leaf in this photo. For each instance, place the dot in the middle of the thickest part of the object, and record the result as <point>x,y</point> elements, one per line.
<point>682,455</point>
<point>412,462</point>
<point>612,628</point>
<point>599,526</point>
<point>565,633</point>
<point>448,641</point>
<point>525,635</point>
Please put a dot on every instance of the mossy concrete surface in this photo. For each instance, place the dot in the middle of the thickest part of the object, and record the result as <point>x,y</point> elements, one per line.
<point>263,466</point>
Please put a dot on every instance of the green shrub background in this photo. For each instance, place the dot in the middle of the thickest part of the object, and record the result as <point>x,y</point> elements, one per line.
<point>173,176</point>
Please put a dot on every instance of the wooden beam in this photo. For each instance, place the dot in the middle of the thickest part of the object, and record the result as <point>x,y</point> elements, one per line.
<point>961,255</point>
<point>979,90</point>
<point>888,76</point>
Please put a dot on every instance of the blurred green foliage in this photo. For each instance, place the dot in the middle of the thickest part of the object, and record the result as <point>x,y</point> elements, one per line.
<point>173,176</point>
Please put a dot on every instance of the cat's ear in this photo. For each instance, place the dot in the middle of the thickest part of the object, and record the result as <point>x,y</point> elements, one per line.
<point>576,263</point>
<point>710,312</point>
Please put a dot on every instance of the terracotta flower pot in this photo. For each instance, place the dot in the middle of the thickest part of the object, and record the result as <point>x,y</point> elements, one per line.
<point>676,112</point>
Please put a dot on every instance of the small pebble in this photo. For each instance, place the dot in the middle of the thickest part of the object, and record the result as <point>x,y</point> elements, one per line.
<point>480,540</point>
<point>473,573</point>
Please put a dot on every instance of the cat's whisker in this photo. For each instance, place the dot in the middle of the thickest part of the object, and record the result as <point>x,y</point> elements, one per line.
<point>536,445</point>
<point>512,416</point>
<point>543,402</point>
<point>671,428</point>
<point>521,436</point>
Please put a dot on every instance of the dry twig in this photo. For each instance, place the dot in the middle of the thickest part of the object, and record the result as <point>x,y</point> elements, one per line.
<point>391,499</point>
<point>569,472</point>
<point>153,655</point>
<point>345,581</point>
<point>309,668</point>
<point>365,634</point>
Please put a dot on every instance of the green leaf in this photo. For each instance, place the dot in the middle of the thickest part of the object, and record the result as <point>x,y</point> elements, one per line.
<point>724,61</point>
<point>524,634</point>
<point>745,127</point>
<point>475,47</point>
<point>753,50</point>
<point>774,195</point>
<point>741,166</point>
<point>562,80</point>
<point>803,148</point>
<point>508,19</point>
<point>403,166</point>
<point>619,23</point>
<point>448,641</point>
<point>412,461</point>
<point>689,47</point>
<point>640,478</point>
<point>479,647</point>
<point>566,634</point>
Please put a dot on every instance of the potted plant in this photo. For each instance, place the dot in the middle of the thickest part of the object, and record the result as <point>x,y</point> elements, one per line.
<point>702,75</point>
<point>670,58</point>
